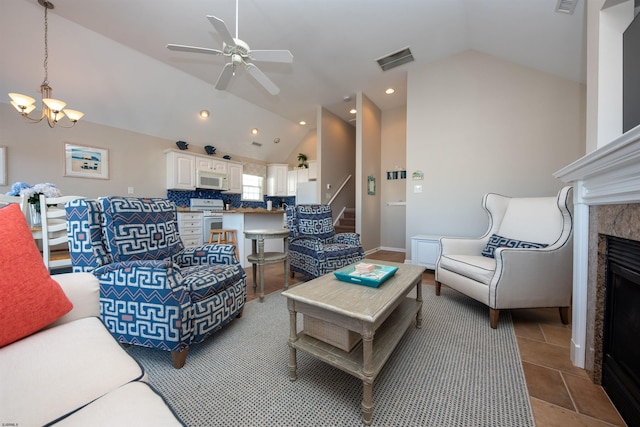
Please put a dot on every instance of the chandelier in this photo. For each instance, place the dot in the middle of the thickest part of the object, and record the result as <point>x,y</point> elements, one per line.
<point>52,109</point>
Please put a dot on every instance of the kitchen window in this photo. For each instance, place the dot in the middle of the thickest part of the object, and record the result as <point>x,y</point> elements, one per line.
<point>252,187</point>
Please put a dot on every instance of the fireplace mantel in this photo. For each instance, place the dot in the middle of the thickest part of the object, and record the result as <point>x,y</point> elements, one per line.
<point>608,175</point>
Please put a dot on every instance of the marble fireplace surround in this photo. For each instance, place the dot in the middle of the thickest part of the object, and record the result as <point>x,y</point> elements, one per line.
<point>606,197</point>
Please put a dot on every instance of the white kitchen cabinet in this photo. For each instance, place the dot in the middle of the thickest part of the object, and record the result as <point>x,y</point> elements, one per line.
<point>181,171</point>
<point>234,174</point>
<point>277,180</point>
<point>211,164</point>
<point>190,228</point>
<point>425,250</point>
<point>292,180</point>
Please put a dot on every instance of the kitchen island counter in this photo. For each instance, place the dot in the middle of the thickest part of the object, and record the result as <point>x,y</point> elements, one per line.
<point>251,219</point>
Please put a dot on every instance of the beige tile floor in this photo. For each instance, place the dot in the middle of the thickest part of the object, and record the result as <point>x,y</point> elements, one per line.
<point>561,394</point>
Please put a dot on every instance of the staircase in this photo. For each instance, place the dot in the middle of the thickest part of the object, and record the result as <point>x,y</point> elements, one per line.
<point>347,222</point>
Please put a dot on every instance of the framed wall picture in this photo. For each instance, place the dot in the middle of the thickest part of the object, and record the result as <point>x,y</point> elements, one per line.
<point>86,162</point>
<point>371,185</point>
<point>3,165</point>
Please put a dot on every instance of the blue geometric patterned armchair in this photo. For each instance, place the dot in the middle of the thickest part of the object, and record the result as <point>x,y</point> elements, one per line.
<point>314,247</point>
<point>154,292</point>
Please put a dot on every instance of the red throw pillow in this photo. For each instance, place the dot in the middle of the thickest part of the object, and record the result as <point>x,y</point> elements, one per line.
<point>29,298</point>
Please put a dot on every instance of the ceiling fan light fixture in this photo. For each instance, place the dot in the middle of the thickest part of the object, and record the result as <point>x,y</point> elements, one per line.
<point>239,53</point>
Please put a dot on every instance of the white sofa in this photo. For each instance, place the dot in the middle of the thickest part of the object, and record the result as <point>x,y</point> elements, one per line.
<point>75,373</point>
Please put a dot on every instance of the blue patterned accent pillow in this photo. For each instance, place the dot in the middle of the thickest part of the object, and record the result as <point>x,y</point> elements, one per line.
<point>315,221</point>
<point>140,228</point>
<point>496,242</point>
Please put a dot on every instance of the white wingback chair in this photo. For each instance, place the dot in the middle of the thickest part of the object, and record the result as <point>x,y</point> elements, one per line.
<point>531,242</point>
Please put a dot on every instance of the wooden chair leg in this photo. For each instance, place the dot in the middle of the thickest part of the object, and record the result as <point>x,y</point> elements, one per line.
<point>179,358</point>
<point>564,315</point>
<point>438,286</point>
<point>493,317</point>
<point>240,313</point>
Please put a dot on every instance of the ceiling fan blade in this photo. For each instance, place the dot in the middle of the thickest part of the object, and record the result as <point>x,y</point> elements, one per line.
<point>262,78</point>
<point>225,76</point>
<point>222,29</point>
<point>182,48</point>
<point>271,56</point>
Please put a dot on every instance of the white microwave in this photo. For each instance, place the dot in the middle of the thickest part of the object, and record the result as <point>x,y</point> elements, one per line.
<point>211,180</point>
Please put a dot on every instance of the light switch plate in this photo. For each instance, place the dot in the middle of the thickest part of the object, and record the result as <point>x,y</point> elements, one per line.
<point>417,188</point>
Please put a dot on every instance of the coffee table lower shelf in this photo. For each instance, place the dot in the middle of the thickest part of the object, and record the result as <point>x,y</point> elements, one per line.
<point>385,340</point>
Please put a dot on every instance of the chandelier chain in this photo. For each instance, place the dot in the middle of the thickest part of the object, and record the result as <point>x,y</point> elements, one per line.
<point>46,48</point>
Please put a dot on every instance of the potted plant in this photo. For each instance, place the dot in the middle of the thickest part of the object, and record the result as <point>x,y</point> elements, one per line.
<point>302,159</point>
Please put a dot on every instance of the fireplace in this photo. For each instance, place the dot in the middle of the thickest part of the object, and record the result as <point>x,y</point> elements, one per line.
<point>620,347</point>
<point>606,203</point>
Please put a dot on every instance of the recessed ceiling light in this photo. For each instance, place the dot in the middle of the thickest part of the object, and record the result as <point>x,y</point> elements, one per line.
<point>254,131</point>
<point>353,111</point>
<point>302,123</point>
<point>390,91</point>
<point>204,114</point>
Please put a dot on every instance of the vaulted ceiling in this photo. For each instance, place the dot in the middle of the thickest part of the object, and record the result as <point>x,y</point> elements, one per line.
<point>109,58</point>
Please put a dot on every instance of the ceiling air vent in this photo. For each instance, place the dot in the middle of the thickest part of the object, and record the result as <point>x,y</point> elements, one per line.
<point>257,144</point>
<point>566,6</point>
<point>395,59</point>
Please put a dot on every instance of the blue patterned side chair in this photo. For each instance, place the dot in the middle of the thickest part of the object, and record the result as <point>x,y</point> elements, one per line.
<point>314,247</point>
<point>154,292</point>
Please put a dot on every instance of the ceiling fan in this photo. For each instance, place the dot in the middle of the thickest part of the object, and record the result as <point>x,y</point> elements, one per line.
<point>239,53</point>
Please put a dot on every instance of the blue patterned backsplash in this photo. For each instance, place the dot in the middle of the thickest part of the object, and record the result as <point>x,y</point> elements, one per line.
<point>183,198</point>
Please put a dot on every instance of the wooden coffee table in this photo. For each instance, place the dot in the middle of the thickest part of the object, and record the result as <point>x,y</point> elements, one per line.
<point>344,309</point>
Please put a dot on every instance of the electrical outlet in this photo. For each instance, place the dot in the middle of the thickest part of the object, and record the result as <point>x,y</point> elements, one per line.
<point>130,190</point>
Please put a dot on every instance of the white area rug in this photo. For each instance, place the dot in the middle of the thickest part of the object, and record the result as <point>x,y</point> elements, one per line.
<point>455,371</point>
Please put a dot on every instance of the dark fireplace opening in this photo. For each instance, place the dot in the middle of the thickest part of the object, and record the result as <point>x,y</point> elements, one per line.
<point>621,340</point>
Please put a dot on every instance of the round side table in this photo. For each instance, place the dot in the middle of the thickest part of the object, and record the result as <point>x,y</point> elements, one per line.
<point>260,257</point>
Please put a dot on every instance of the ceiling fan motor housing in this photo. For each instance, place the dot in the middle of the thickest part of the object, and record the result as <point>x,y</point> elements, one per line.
<point>241,48</point>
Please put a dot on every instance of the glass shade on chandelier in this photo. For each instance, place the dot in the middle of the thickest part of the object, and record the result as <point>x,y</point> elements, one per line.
<point>52,109</point>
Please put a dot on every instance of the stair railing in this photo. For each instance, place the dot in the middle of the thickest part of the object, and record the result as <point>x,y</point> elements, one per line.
<point>339,190</point>
<point>334,197</point>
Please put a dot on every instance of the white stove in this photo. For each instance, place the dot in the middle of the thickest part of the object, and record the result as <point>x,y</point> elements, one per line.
<point>211,215</point>
<point>210,207</point>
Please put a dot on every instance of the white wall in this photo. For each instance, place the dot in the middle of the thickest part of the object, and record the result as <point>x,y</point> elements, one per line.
<point>478,124</point>
<point>35,154</point>
<point>336,160</point>
<point>394,142</point>
<point>368,147</point>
